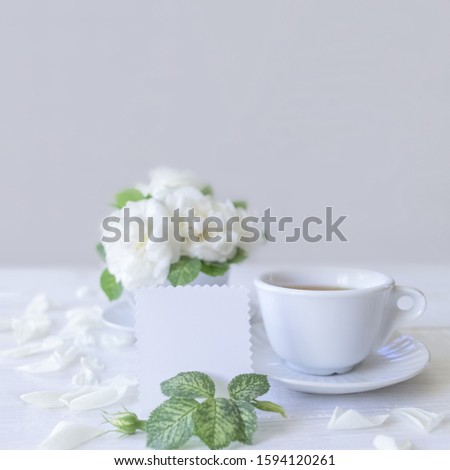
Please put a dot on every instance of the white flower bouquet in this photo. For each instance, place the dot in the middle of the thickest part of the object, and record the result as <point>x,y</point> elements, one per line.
<point>168,231</point>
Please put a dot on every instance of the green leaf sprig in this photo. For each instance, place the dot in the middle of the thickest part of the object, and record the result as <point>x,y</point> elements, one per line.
<point>101,252</point>
<point>187,269</point>
<point>193,410</point>
<point>110,286</point>
<point>129,195</point>
<point>240,204</point>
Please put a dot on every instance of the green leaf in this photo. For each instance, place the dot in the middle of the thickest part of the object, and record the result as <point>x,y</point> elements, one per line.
<point>240,204</point>
<point>214,269</point>
<point>171,424</point>
<point>101,251</point>
<point>184,271</point>
<point>240,256</point>
<point>269,406</point>
<point>217,422</point>
<point>110,286</point>
<point>248,386</point>
<point>207,190</point>
<point>189,385</point>
<point>248,422</point>
<point>128,195</point>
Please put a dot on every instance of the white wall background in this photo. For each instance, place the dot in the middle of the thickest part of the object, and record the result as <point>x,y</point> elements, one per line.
<point>293,104</point>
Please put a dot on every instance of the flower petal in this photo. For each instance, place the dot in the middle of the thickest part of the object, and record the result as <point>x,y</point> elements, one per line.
<point>66,435</point>
<point>91,362</point>
<point>61,358</point>
<point>47,344</point>
<point>84,339</point>
<point>425,420</point>
<point>81,319</point>
<point>39,304</point>
<point>86,375</point>
<point>352,419</point>
<point>99,396</point>
<point>45,399</point>
<point>67,397</point>
<point>47,365</point>
<point>86,292</point>
<point>30,326</point>
<point>121,381</point>
<point>85,315</point>
<point>383,442</point>
<point>116,340</point>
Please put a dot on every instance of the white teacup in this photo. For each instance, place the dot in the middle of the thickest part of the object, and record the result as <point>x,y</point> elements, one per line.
<point>325,331</point>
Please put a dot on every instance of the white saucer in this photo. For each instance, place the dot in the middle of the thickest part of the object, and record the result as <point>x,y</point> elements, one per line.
<point>401,359</point>
<point>120,315</point>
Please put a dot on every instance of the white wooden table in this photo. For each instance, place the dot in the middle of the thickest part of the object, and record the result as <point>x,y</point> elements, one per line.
<point>23,426</point>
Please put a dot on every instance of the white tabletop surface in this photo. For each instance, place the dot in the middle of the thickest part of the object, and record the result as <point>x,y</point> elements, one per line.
<point>24,426</point>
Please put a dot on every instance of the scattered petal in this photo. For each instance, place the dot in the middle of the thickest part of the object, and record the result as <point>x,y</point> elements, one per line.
<point>39,304</point>
<point>65,354</point>
<point>67,397</point>
<point>425,420</point>
<point>352,419</point>
<point>86,375</point>
<point>30,326</point>
<point>61,358</point>
<point>116,340</point>
<point>85,292</point>
<point>383,442</point>
<point>35,322</point>
<point>47,344</point>
<point>100,396</point>
<point>92,362</point>
<point>81,319</point>
<point>44,399</point>
<point>85,315</point>
<point>66,435</point>
<point>84,339</point>
<point>121,381</point>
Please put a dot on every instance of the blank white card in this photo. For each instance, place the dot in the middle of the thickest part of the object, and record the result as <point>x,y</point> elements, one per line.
<point>180,329</point>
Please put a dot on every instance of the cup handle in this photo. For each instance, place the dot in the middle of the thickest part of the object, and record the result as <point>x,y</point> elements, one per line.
<point>401,316</point>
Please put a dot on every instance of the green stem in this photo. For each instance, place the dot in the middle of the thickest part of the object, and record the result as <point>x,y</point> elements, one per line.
<point>141,424</point>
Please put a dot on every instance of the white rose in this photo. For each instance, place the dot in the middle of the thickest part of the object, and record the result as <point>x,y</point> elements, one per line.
<point>225,241</point>
<point>163,179</point>
<point>140,261</point>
